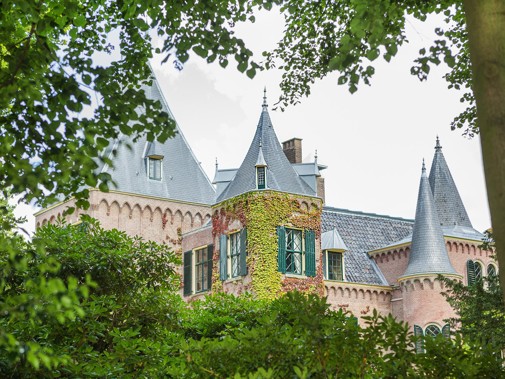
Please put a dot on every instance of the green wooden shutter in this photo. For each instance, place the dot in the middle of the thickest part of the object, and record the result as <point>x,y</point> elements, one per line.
<point>418,332</point>
<point>188,270</point>
<point>210,255</point>
<point>446,331</point>
<point>470,272</point>
<point>243,252</point>
<point>310,253</point>
<point>325,258</point>
<point>281,252</point>
<point>223,257</point>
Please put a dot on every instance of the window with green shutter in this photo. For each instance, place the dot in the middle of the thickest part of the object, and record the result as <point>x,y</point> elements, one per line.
<point>432,331</point>
<point>418,332</point>
<point>233,253</point>
<point>223,257</point>
<point>310,253</point>
<point>446,331</point>
<point>470,272</point>
<point>188,271</point>
<point>474,272</point>
<point>281,252</point>
<point>296,251</point>
<point>197,270</point>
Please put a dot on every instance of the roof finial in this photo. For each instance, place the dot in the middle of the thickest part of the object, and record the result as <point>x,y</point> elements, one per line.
<point>424,168</point>
<point>315,156</point>
<point>437,145</point>
<point>216,164</point>
<point>265,105</point>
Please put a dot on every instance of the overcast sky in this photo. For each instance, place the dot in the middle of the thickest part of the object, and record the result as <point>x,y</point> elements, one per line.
<point>373,142</point>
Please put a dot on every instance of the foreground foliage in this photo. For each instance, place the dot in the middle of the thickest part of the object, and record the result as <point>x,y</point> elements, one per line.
<point>80,301</point>
<point>480,311</point>
<point>57,321</point>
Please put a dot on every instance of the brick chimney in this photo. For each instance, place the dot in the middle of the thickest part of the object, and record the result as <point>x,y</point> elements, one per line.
<point>293,150</point>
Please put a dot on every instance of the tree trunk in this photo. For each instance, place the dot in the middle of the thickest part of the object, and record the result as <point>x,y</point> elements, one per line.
<point>486,35</point>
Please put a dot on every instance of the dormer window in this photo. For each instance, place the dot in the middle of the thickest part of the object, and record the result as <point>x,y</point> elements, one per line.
<point>333,267</point>
<point>260,177</point>
<point>154,167</point>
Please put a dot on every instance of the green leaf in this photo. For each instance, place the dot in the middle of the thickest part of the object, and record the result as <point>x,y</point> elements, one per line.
<point>372,54</point>
<point>80,21</point>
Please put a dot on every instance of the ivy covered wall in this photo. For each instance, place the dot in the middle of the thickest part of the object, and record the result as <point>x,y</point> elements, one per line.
<point>261,212</point>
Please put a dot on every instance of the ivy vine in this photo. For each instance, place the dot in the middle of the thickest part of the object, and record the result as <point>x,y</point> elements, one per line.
<point>261,212</point>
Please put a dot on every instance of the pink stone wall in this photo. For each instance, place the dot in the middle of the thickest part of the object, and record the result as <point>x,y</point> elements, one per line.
<point>392,263</point>
<point>359,299</point>
<point>423,303</point>
<point>461,251</point>
<point>159,220</point>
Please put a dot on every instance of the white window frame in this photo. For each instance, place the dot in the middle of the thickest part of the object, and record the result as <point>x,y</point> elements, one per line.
<point>194,269</point>
<point>154,159</point>
<point>327,264</point>
<point>302,252</point>
<point>229,258</point>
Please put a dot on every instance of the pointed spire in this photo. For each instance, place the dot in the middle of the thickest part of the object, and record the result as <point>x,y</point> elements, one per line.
<point>265,105</point>
<point>260,162</point>
<point>423,169</point>
<point>450,208</point>
<point>264,150</point>
<point>428,253</point>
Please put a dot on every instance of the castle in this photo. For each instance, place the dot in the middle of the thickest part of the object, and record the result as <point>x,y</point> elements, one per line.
<point>265,228</point>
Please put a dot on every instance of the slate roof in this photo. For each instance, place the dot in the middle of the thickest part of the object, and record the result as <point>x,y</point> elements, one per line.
<point>280,174</point>
<point>361,233</point>
<point>450,208</point>
<point>182,176</point>
<point>428,254</point>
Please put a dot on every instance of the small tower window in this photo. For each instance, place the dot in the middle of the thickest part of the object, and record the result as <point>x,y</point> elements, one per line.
<point>260,174</point>
<point>154,168</point>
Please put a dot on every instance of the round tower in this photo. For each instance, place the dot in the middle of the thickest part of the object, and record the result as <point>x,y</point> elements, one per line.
<point>423,305</point>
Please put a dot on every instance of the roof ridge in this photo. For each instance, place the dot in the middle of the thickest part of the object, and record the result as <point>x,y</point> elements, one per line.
<point>350,211</point>
<point>178,129</point>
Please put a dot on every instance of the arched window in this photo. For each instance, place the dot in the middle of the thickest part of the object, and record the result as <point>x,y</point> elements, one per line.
<point>478,271</point>
<point>491,270</point>
<point>432,331</point>
<point>474,272</point>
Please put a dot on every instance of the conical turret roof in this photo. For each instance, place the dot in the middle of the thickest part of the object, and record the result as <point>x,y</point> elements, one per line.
<point>428,254</point>
<point>265,147</point>
<point>182,177</point>
<point>450,208</point>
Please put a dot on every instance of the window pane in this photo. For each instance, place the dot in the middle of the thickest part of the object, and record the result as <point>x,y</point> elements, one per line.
<point>154,169</point>
<point>491,270</point>
<point>201,269</point>
<point>294,251</point>
<point>335,269</point>
<point>235,254</point>
<point>261,177</point>
<point>432,331</point>
<point>478,271</point>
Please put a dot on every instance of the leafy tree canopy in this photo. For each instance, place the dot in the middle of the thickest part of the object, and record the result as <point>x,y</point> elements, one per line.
<point>59,108</point>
